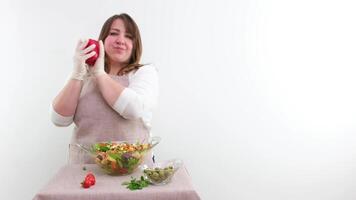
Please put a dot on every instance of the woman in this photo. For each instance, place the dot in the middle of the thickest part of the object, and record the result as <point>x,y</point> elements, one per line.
<point>112,100</point>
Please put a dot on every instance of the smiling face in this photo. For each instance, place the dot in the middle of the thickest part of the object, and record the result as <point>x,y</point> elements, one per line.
<point>122,43</point>
<point>118,44</point>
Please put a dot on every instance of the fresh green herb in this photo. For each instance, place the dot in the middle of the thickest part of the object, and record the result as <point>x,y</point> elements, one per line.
<point>136,184</point>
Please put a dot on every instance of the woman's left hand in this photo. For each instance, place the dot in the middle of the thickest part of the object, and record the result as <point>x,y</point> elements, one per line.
<point>98,68</point>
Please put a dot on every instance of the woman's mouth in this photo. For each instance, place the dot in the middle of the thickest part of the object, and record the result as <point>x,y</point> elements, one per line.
<point>119,49</point>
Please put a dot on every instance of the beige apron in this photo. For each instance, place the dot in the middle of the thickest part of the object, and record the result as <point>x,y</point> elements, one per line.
<point>96,121</point>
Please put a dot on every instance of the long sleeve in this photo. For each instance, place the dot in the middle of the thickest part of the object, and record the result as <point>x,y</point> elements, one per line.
<point>140,97</point>
<point>58,119</point>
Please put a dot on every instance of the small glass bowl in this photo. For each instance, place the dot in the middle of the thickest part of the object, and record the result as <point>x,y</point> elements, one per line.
<point>161,173</point>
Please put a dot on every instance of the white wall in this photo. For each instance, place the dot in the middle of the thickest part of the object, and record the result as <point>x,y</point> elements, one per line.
<point>257,97</point>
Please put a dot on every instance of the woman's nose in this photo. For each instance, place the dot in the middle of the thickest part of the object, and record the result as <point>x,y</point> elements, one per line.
<point>120,40</point>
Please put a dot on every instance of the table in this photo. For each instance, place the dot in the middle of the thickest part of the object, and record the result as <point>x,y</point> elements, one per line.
<point>66,185</point>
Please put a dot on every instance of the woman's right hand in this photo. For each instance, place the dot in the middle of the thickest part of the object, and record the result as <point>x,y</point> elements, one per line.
<point>80,68</point>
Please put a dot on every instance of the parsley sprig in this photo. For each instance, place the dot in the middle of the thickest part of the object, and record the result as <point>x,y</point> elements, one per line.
<point>135,184</point>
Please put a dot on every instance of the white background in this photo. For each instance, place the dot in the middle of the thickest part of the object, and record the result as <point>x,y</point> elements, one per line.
<point>257,97</point>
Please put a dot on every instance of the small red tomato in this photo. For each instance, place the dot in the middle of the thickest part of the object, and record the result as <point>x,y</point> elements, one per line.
<point>86,184</point>
<point>91,61</point>
<point>91,178</point>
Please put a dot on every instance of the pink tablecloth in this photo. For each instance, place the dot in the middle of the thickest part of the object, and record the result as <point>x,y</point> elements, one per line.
<point>65,185</point>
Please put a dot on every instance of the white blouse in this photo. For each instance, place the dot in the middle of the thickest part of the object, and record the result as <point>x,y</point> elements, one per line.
<point>136,101</point>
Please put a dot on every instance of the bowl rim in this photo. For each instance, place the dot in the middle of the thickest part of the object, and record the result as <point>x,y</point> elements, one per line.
<point>153,140</point>
<point>147,140</point>
<point>178,163</point>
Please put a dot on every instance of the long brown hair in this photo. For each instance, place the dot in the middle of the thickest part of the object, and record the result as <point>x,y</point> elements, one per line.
<point>131,28</point>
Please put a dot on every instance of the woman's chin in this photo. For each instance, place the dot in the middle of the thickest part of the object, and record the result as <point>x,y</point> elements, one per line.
<point>119,60</point>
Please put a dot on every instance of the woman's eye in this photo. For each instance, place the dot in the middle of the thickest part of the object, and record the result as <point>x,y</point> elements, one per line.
<point>128,36</point>
<point>113,33</point>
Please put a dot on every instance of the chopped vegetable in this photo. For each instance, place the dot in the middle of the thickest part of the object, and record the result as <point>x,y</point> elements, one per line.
<point>119,158</point>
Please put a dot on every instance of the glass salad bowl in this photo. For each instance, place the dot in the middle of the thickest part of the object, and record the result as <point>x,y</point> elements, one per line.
<point>161,173</point>
<point>120,157</point>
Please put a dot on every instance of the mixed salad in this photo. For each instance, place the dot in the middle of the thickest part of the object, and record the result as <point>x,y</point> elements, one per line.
<point>119,158</point>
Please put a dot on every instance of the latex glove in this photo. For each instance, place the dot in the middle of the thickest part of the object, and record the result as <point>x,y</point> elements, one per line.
<point>98,68</point>
<point>80,68</point>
